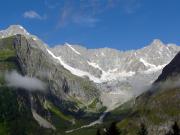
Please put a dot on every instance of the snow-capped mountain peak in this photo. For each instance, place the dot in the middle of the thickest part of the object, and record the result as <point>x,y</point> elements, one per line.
<point>13,30</point>
<point>110,69</point>
<point>18,29</point>
<point>91,62</point>
<point>157,42</point>
<point>146,60</point>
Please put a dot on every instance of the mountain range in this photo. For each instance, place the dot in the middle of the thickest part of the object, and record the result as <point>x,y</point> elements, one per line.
<point>69,88</point>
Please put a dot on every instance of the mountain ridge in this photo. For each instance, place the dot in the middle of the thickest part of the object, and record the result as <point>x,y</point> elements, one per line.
<point>110,68</point>
<point>158,108</point>
<point>73,97</point>
<point>19,29</point>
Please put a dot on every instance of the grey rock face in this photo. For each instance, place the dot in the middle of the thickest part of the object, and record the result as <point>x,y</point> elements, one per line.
<point>119,75</point>
<point>171,70</point>
<point>63,88</point>
<point>35,61</point>
<point>13,30</point>
<point>95,61</point>
<point>112,70</point>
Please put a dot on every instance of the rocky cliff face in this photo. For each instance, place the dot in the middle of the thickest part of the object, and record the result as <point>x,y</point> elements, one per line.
<point>158,108</point>
<point>79,80</point>
<point>120,75</point>
<point>109,64</point>
<point>65,97</point>
<point>35,61</point>
<point>116,73</point>
<point>170,70</point>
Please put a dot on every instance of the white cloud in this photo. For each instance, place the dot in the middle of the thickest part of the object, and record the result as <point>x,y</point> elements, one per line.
<point>33,15</point>
<point>87,12</point>
<point>170,83</point>
<point>85,20</point>
<point>65,17</point>
<point>83,13</point>
<point>13,79</point>
<point>69,16</point>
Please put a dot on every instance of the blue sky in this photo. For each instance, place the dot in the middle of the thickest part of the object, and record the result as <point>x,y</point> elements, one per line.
<point>120,24</point>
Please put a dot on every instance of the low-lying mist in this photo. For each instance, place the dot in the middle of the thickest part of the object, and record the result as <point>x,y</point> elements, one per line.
<point>170,83</point>
<point>16,80</point>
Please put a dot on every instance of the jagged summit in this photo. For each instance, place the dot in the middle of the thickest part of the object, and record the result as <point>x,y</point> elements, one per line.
<point>16,27</point>
<point>13,30</point>
<point>157,42</point>
<point>19,29</point>
<point>115,76</point>
<point>106,64</point>
<point>66,43</point>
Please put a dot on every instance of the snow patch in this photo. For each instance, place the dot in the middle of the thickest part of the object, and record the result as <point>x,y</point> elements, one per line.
<point>113,70</point>
<point>95,65</point>
<point>42,122</point>
<point>113,105</point>
<point>34,38</point>
<point>98,121</point>
<point>146,63</point>
<point>152,67</point>
<point>106,75</point>
<point>70,46</point>
<point>102,54</point>
<point>21,27</point>
<point>14,30</point>
<point>109,75</point>
<point>75,71</point>
<point>155,69</point>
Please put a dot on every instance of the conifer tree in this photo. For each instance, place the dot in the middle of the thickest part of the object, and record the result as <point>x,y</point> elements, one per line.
<point>142,130</point>
<point>174,129</point>
<point>113,130</point>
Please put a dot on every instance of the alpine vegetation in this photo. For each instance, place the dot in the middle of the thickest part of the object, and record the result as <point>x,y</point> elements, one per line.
<point>93,67</point>
<point>88,89</point>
